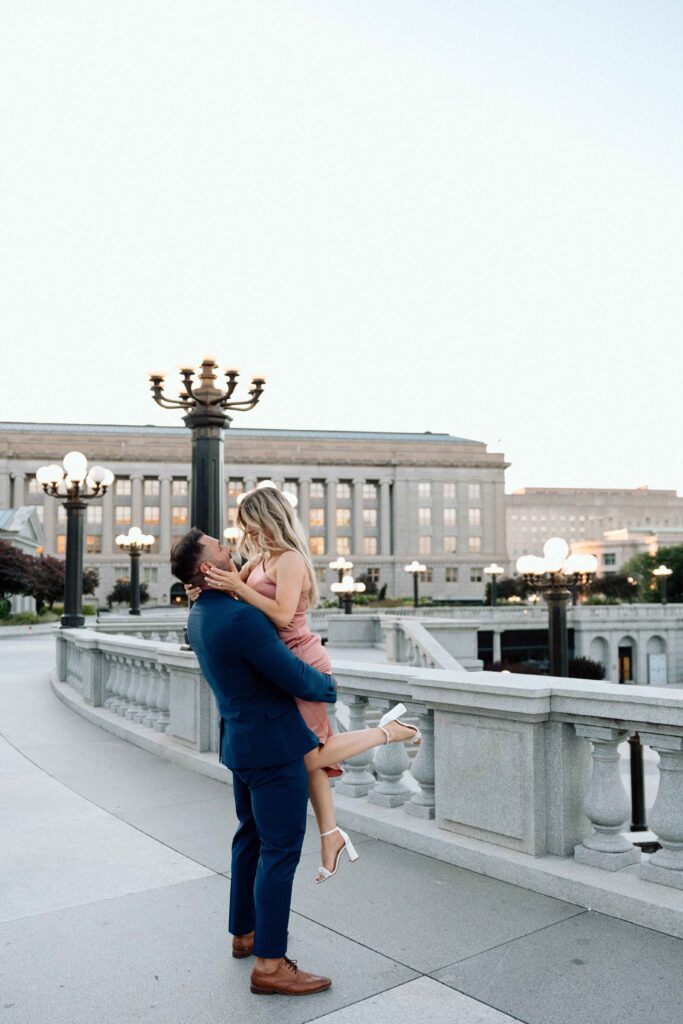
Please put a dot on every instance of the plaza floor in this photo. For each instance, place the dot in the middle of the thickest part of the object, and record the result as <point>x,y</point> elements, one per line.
<point>114,878</point>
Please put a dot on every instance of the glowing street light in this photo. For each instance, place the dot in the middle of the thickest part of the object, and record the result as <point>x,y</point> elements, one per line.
<point>135,542</point>
<point>494,571</point>
<point>415,568</point>
<point>662,572</point>
<point>345,589</point>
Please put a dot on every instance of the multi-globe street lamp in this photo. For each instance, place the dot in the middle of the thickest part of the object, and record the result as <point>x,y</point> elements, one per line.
<point>135,542</point>
<point>76,485</point>
<point>206,414</point>
<point>415,568</point>
<point>494,571</point>
<point>662,572</point>
<point>342,567</point>
<point>556,575</point>
<point>345,589</point>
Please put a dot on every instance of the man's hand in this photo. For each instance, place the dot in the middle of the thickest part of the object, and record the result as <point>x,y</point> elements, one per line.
<point>227,580</point>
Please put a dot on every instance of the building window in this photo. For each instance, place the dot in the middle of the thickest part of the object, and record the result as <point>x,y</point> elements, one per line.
<point>343,517</point>
<point>317,489</point>
<point>316,518</point>
<point>317,545</point>
<point>321,574</point>
<point>122,515</point>
<point>424,516</point>
<point>428,575</point>
<point>33,486</point>
<point>150,487</point>
<point>235,487</point>
<point>609,558</point>
<point>343,545</point>
<point>369,492</point>
<point>475,575</point>
<point>450,545</point>
<point>61,543</point>
<point>450,516</point>
<point>61,513</point>
<point>291,487</point>
<point>424,545</point>
<point>93,544</point>
<point>372,574</point>
<point>179,515</point>
<point>474,517</point>
<point>424,490</point>
<point>451,574</point>
<point>474,492</point>
<point>122,485</point>
<point>94,514</point>
<point>179,488</point>
<point>370,517</point>
<point>449,491</point>
<point>151,515</point>
<point>150,574</point>
<point>475,545</point>
<point>369,545</point>
<point>343,490</point>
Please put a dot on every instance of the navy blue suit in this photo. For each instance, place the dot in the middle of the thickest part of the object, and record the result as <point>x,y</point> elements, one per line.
<point>254,677</point>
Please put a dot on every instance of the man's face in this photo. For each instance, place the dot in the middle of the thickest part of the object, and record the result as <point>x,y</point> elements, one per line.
<point>214,553</point>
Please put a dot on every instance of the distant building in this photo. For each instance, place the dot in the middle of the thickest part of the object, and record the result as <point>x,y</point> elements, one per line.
<point>617,547</point>
<point>580,515</point>
<point>380,499</point>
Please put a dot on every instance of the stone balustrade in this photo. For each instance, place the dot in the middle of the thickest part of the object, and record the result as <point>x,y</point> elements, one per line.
<point>523,764</point>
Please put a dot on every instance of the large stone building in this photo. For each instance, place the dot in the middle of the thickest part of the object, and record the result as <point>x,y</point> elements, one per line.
<point>587,514</point>
<point>380,499</point>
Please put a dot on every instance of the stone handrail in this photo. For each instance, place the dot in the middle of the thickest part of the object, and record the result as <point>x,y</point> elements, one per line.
<point>409,643</point>
<point>527,764</point>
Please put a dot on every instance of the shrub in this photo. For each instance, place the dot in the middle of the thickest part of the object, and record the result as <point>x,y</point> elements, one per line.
<point>586,668</point>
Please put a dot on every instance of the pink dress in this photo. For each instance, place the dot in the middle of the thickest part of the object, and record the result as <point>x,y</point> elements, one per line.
<point>307,646</point>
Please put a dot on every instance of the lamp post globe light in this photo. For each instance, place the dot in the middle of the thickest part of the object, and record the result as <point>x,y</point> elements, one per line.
<point>345,589</point>
<point>135,542</point>
<point>494,571</point>
<point>415,568</point>
<point>342,568</point>
<point>206,414</point>
<point>662,573</point>
<point>554,576</point>
<point>75,484</point>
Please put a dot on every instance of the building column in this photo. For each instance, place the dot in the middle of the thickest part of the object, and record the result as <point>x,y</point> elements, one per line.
<point>165,514</point>
<point>497,656</point>
<point>357,520</point>
<point>5,490</point>
<point>136,500</point>
<point>49,521</point>
<point>385,517</point>
<point>331,516</point>
<point>19,480</point>
<point>107,522</point>
<point>304,506</point>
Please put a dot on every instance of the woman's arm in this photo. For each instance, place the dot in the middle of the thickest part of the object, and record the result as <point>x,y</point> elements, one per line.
<point>289,581</point>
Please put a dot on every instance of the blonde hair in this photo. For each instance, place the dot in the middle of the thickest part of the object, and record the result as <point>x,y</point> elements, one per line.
<point>269,512</point>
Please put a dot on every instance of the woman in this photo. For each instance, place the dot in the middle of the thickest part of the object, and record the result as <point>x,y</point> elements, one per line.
<point>279,579</point>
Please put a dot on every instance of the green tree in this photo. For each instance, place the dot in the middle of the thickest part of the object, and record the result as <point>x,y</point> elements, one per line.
<point>15,570</point>
<point>641,566</point>
<point>614,586</point>
<point>120,593</point>
<point>47,581</point>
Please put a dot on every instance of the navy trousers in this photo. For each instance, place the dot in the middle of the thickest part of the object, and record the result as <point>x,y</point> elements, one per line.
<point>271,808</point>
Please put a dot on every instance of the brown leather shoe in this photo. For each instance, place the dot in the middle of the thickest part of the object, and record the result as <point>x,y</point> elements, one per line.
<point>242,946</point>
<point>287,980</point>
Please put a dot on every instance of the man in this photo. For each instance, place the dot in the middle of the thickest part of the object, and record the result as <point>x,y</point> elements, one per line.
<point>263,740</point>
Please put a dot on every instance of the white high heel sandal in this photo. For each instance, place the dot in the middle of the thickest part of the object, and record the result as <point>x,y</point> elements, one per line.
<point>394,716</point>
<point>348,846</point>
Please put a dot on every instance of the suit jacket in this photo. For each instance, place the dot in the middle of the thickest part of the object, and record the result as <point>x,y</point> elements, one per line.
<point>254,677</point>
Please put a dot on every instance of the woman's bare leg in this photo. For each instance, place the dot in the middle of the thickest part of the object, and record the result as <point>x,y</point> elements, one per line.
<point>344,745</point>
<point>320,793</point>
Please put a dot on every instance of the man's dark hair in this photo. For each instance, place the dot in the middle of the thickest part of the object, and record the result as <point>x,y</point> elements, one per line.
<point>186,555</point>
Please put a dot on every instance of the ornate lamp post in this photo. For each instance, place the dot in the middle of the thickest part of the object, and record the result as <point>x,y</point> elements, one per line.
<point>494,571</point>
<point>662,572</point>
<point>205,406</point>
<point>342,568</point>
<point>345,589</point>
<point>555,575</point>
<point>415,568</point>
<point>135,542</point>
<point>76,484</point>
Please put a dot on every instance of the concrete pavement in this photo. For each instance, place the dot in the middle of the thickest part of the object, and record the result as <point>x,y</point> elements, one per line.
<point>114,877</point>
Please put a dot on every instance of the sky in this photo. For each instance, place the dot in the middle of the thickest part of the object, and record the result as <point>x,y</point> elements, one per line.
<point>408,215</point>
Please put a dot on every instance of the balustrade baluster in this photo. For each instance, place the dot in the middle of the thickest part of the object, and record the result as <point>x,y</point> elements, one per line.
<point>421,805</point>
<point>357,780</point>
<point>163,719</point>
<point>114,684</point>
<point>391,761</point>
<point>126,686</point>
<point>606,804</point>
<point>666,817</point>
<point>133,694</point>
<point>142,692</point>
<point>153,696</point>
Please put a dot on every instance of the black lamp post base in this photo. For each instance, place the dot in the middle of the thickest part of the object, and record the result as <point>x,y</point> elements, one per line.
<point>134,611</point>
<point>72,621</point>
